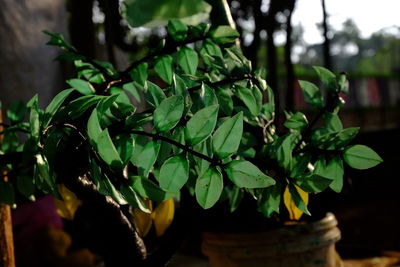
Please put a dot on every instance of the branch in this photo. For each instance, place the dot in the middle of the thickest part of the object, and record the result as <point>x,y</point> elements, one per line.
<point>179,145</point>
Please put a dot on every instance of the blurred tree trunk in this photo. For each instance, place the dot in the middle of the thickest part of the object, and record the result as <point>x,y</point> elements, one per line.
<point>272,66</point>
<point>27,64</point>
<point>327,41</point>
<point>6,235</point>
<point>290,78</point>
<point>252,50</point>
<point>81,27</point>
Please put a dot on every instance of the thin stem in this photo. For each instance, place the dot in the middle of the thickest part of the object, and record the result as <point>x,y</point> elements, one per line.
<point>225,81</point>
<point>179,145</point>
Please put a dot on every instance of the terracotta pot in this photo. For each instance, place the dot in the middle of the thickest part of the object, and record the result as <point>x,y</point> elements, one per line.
<point>300,245</point>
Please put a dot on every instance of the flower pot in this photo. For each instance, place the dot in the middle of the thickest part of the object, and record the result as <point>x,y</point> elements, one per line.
<point>300,245</point>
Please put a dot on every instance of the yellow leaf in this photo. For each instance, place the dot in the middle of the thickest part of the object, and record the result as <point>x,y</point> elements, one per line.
<point>68,207</point>
<point>163,216</point>
<point>294,212</point>
<point>143,220</point>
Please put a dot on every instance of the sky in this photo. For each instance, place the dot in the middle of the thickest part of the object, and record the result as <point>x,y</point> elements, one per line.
<point>369,15</point>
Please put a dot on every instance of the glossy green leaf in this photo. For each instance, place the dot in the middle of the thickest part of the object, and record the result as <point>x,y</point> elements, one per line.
<point>54,105</point>
<point>343,83</point>
<point>225,101</point>
<point>154,94</point>
<point>16,112</point>
<point>226,139</point>
<point>26,186</point>
<point>124,144</point>
<point>209,188</point>
<point>246,95</point>
<point>246,174</point>
<point>188,60</point>
<point>93,128</point>
<point>201,125</point>
<point>177,30</point>
<point>313,183</point>
<point>163,67</point>
<point>58,40</point>
<point>148,189</point>
<point>336,164</point>
<point>312,94</point>
<point>139,73</point>
<point>34,124</point>
<point>327,77</point>
<point>270,200</point>
<point>82,86</point>
<point>152,13</point>
<point>168,113</point>
<point>298,201</point>
<point>80,105</point>
<point>42,175</point>
<point>296,122</point>
<point>224,34</point>
<point>361,157</point>
<point>108,152</point>
<point>174,173</point>
<point>134,199</point>
<point>235,197</point>
<point>333,122</point>
<point>147,157</point>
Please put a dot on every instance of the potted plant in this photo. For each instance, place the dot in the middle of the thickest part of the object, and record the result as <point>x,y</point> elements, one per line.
<point>205,130</point>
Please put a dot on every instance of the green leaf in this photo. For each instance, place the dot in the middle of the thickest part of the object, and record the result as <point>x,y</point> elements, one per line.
<point>82,86</point>
<point>148,189</point>
<point>298,201</point>
<point>188,60</point>
<point>168,113</point>
<point>54,105</point>
<point>224,34</point>
<point>201,125</point>
<point>104,185</point>
<point>42,175</point>
<point>26,186</point>
<point>235,197</point>
<point>16,111</point>
<point>147,157</point>
<point>296,122</point>
<point>226,139</point>
<point>313,183</point>
<point>246,95</point>
<point>177,30</point>
<point>343,83</point>
<point>361,157</point>
<point>174,173</point>
<point>108,152</point>
<point>154,94</point>
<point>80,105</point>
<point>139,73</point>
<point>34,124</point>
<point>270,200</point>
<point>246,174</point>
<point>209,188</point>
<point>163,67</point>
<point>312,94</point>
<point>151,13</point>
<point>225,101</point>
<point>93,128</point>
<point>336,165</point>
<point>58,40</point>
<point>333,122</point>
<point>124,144</point>
<point>7,195</point>
<point>133,198</point>
<point>284,155</point>
<point>327,77</point>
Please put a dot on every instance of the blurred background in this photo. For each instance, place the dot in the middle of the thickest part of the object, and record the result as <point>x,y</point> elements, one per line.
<point>287,37</point>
